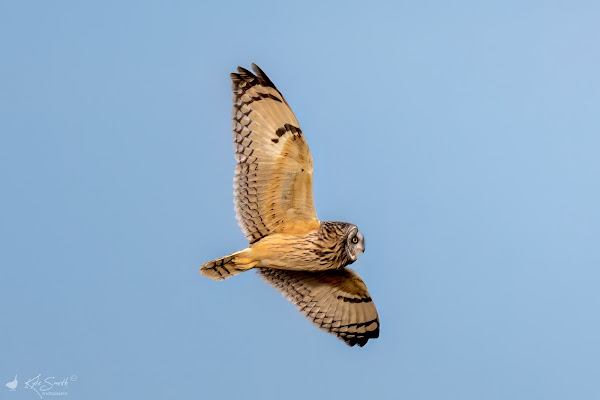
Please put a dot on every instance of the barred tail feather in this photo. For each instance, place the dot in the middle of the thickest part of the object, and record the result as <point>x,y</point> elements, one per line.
<point>226,267</point>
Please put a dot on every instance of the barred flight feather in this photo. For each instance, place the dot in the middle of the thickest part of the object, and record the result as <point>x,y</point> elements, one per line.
<point>336,301</point>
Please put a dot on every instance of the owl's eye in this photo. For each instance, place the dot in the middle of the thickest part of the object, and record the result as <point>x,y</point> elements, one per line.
<point>354,240</point>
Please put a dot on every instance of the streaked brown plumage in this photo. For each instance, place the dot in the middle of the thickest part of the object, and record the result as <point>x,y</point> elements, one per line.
<point>303,258</point>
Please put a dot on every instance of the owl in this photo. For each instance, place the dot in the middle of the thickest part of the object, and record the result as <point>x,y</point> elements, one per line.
<point>305,259</point>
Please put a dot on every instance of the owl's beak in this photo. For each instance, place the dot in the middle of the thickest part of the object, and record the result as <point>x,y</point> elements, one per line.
<point>361,244</point>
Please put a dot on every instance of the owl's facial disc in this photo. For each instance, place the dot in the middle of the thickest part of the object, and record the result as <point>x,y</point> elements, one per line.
<point>356,244</point>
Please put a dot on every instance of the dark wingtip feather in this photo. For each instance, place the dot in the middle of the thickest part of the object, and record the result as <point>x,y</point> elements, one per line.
<point>375,333</point>
<point>361,340</point>
<point>235,77</point>
<point>261,74</point>
<point>245,73</point>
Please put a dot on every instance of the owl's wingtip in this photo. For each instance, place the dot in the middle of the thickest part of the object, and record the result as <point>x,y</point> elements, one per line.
<point>261,74</point>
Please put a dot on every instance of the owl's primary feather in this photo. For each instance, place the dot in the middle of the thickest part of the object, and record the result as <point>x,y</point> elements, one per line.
<point>303,258</point>
<point>336,301</point>
<point>273,178</point>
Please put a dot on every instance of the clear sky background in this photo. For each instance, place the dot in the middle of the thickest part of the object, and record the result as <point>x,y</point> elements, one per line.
<point>462,138</point>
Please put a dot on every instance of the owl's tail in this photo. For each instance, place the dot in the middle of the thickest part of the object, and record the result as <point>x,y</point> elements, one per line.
<point>228,266</point>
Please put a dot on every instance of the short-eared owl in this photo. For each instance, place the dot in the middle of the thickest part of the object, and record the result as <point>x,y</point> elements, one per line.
<point>303,258</point>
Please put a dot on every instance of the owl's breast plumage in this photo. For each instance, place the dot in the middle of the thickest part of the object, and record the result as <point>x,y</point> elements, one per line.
<point>322,249</point>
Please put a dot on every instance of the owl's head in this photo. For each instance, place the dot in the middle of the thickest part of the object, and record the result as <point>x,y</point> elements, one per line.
<point>355,243</point>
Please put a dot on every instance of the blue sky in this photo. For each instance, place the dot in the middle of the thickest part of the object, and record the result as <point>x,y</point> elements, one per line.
<point>461,138</point>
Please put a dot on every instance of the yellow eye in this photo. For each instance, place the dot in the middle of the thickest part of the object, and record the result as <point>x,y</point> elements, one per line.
<point>354,240</point>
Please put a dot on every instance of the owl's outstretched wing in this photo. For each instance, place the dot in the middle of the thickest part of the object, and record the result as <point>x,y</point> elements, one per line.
<point>273,178</point>
<point>337,301</point>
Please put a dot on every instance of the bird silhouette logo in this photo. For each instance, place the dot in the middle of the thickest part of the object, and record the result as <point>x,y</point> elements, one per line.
<point>13,385</point>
